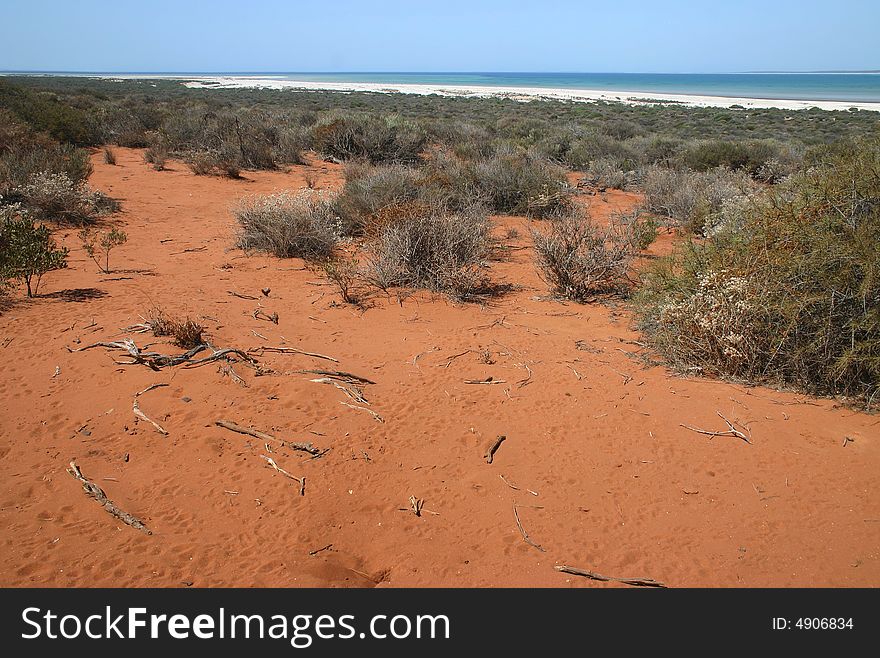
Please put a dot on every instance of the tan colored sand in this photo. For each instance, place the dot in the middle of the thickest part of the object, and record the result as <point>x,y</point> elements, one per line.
<point>622,488</point>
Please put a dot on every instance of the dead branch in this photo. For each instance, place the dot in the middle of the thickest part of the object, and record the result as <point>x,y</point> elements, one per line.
<point>450,359</point>
<point>302,480</point>
<point>514,487</point>
<point>353,392</point>
<point>260,314</point>
<point>731,431</point>
<point>239,295</point>
<point>98,494</point>
<point>257,434</point>
<point>488,380</point>
<point>635,582</point>
<point>490,453</point>
<point>319,550</point>
<point>416,504</point>
<point>527,380</point>
<point>140,414</point>
<point>369,411</point>
<point>346,377</point>
<point>289,350</point>
<point>228,371</point>
<point>524,534</point>
<point>156,361</point>
<point>149,388</point>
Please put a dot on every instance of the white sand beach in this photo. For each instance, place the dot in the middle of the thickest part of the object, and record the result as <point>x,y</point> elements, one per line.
<point>525,93</point>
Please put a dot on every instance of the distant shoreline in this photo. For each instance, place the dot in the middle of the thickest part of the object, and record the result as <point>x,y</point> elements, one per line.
<point>518,93</point>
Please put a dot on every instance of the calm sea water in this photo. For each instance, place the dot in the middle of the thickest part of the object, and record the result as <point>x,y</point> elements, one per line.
<point>796,86</point>
<point>864,87</point>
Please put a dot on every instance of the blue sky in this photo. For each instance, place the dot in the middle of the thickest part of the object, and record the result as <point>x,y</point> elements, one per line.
<point>439,35</point>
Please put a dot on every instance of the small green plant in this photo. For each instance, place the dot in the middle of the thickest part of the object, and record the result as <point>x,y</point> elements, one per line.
<point>98,245</point>
<point>27,250</point>
<point>343,273</point>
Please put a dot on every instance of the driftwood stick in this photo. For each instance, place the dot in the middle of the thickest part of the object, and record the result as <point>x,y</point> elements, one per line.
<point>635,582</point>
<point>241,296</point>
<point>302,480</point>
<point>490,453</point>
<point>346,377</point>
<point>257,434</point>
<point>524,534</point>
<point>376,416</point>
<point>731,431</point>
<point>488,380</point>
<point>98,494</point>
<point>140,414</point>
<point>290,350</point>
<point>149,388</point>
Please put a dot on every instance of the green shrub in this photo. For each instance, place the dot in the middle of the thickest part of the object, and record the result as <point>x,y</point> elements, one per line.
<point>27,250</point>
<point>303,225</point>
<point>372,138</point>
<point>98,245</point>
<point>790,294</point>
<point>368,190</point>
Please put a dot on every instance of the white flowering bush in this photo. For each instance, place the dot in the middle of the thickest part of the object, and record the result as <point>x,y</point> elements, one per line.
<point>715,324</point>
<point>303,224</point>
<point>55,196</point>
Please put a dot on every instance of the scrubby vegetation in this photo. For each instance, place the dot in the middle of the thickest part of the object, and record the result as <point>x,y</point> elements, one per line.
<point>434,249</point>
<point>285,224</point>
<point>27,250</point>
<point>186,333</point>
<point>99,244</point>
<point>774,278</point>
<point>787,291</point>
<point>582,261</point>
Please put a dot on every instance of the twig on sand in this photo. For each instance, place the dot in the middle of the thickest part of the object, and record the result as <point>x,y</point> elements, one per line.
<point>156,361</point>
<point>523,532</point>
<point>635,582</point>
<point>289,350</point>
<point>302,480</point>
<point>488,380</point>
<point>490,453</point>
<point>369,411</point>
<point>228,371</point>
<point>257,434</point>
<point>260,314</point>
<point>351,390</point>
<point>731,431</point>
<point>514,487</point>
<point>450,359</point>
<point>149,388</point>
<point>319,550</point>
<point>416,504</point>
<point>527,380</point>
<point>140,414</point>
<point>240,296</point>
<point>346,377</point>
<point>98,494</point>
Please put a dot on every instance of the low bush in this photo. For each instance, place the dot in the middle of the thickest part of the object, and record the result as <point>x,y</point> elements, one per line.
<point>186,333</point>
<point>303,225</point>
<point>368,190</point>
<point>99,244</point>
<point>787,295</point>
<point>376,139</point>
<point>27,250</point>
<point>435,250</point>
<point>582,261</point>
<point>109,156</point>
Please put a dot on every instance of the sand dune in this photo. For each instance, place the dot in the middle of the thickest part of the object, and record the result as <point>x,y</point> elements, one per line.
<point>620,487</point>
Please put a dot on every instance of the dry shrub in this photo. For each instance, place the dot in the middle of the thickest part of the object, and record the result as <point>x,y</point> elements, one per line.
<point>789,293</point>
<point>376,139</point>
<point>302,224</point>
<point>369,190</point>
<point>435,250</point>
<point>109,156</point>
<point>581,261</point>
<point>57,197</point>
<point>157,156</point>
<point>201,163</point>
<point>187,333</point>
<point>343,272</point>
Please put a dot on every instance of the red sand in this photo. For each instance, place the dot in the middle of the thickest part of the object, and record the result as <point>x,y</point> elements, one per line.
<point>622,488</point>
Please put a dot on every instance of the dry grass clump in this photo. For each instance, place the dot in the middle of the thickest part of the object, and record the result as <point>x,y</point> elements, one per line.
<point>789,294</point>
<point>109,156</point>
<point>437,250</point>
<point>187,333</point>
<point>370,190</point>
<point>56,197</point>
<point>157,156</point>
<point>343,272</point>
<point>303,224</point>
<point>582,261</point>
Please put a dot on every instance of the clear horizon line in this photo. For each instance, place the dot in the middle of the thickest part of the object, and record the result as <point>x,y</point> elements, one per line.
<point>438,72</point>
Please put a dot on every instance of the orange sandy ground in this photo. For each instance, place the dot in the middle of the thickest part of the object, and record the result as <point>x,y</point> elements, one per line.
<point>622,489</point>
